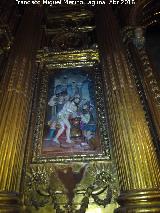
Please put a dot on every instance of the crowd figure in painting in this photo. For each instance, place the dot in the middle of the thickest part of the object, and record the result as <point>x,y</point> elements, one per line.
<point>71,101</point>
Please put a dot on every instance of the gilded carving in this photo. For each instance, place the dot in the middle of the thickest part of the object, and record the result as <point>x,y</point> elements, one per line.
<point>70,30</point>
<point>67,59</point>
<point>145,76</point>
<point>132,143</point>
<point>136,35</point>
<point>97,183</point>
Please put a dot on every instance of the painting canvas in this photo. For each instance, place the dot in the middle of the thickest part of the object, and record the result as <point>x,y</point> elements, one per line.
<point>70,124</point>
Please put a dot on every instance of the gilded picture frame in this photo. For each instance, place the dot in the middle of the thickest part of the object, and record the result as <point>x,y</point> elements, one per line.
<point>87,140</point>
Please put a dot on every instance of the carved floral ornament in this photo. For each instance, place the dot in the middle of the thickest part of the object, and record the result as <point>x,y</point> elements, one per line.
<point>89,183</point>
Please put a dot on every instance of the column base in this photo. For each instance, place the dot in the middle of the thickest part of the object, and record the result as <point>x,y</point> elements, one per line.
<point>139,201</point>
<point>9,202</point>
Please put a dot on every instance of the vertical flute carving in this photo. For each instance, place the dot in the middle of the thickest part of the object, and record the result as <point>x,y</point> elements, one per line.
<point>135,42</point>
<point>135,156</point>
<point>15,102</point>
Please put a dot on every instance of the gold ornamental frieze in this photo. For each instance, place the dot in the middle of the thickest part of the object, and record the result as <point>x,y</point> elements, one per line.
<point>71,188</point>
<point>65,59</point>
<point>65,15</point>
<point>78,29</point>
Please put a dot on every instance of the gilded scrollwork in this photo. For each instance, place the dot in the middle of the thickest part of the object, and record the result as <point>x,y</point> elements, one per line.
<point>69,31</point>
<point>43,186</point>
<point>69,183</point>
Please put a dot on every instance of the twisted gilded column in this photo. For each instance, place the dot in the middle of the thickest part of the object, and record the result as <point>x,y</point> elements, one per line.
<point>135,42</point>
<point>15,104</point>
<point>133,149</point>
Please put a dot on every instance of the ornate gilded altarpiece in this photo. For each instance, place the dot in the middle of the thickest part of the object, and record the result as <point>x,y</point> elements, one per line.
<point>69,164</point>
<point>77,175</point>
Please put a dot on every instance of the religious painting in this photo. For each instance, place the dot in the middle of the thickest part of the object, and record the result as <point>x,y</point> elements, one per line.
<point>71,116</point>
<point>70,120</point>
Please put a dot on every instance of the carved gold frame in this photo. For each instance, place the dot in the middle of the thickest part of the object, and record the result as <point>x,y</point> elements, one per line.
<point>72,59</point>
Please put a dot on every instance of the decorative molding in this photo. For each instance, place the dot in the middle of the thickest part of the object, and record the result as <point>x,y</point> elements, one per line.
<point>102,122</point>
<point>67,59</point>
<point>43,186</point>
<point>140,61</point>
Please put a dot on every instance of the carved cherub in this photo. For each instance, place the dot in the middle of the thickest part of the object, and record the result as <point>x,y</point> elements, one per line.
<point>70,179</point>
